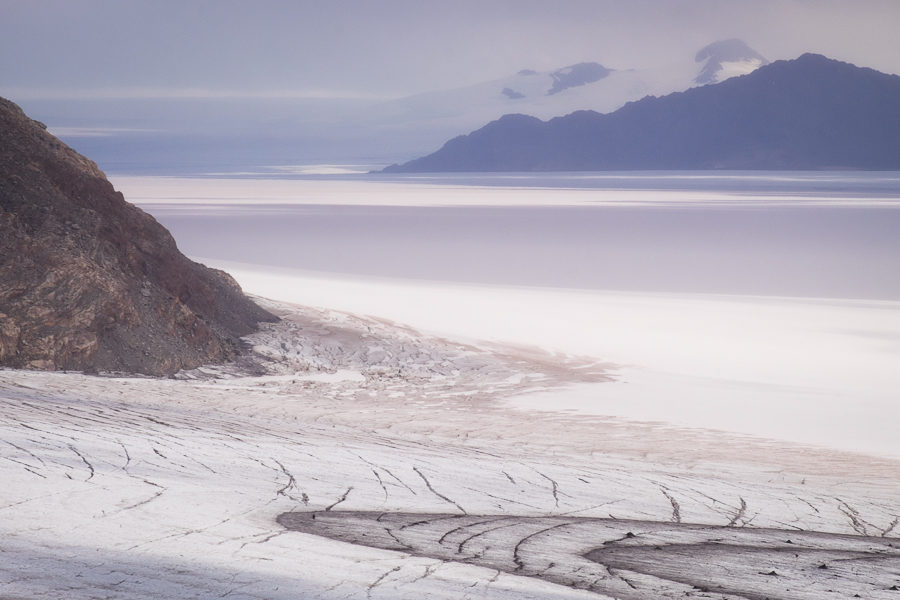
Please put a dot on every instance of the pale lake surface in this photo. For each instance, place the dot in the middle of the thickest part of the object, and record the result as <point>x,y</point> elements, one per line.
<point>780,234</point>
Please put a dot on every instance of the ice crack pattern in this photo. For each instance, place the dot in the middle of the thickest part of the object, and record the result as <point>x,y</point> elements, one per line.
<point>141,487</point>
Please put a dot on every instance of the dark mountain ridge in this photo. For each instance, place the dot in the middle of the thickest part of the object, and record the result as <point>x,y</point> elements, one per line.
<point>91,282</point>
<point>808,113</point>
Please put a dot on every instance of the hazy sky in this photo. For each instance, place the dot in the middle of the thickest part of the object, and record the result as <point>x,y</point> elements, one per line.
<point>397,47</point>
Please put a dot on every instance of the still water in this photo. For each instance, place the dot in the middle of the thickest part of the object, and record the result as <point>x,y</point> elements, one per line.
<point>780,234</point>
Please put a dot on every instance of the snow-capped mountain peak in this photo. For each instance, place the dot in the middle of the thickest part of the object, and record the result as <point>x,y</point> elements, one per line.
<point>726,58</point>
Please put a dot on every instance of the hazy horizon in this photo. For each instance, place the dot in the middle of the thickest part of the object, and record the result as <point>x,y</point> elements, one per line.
<point>202,87</point>
<point>166,49</point>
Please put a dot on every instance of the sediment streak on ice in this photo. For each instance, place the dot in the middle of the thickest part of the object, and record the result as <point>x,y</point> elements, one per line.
<point>631,559</point>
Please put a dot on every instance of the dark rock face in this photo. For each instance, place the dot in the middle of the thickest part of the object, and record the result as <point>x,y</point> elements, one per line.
<point>576,75</point>
<point>808,113</point>
<point>512,94</point>
<point>91,282</point>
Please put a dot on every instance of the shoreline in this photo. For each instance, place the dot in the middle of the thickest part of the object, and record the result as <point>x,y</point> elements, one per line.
<point>818,372</point>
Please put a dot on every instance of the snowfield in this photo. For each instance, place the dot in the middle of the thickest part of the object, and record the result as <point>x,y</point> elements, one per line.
<point>423,484</point>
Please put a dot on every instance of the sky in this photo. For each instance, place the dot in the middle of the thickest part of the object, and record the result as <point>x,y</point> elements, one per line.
<point>393,48</point>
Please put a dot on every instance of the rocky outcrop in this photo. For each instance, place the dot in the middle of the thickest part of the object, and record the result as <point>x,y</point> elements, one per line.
<point>91,282</point>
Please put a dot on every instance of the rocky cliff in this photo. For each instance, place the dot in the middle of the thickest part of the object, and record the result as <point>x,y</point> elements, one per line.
<point>91,282</point>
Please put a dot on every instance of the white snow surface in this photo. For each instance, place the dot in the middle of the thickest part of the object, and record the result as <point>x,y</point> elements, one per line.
<point>735,68</point>
<point>146,488</point>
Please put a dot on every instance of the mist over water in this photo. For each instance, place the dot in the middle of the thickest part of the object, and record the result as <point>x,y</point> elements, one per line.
<point>771,235</point>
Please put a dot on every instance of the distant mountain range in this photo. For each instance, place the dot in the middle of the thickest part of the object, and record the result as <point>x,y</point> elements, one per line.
<point>190,135</point>
<point>432,117</point>
<point>808,113</point>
